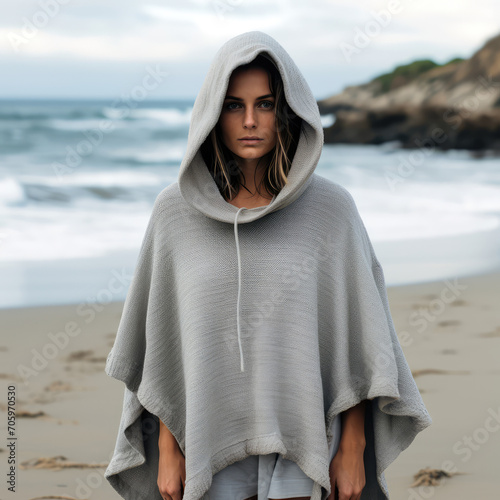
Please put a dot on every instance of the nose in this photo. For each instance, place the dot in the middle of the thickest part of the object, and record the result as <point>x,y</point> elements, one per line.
<point>250,119</point>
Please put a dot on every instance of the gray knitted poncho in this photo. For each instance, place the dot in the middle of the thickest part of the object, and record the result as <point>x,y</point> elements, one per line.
<point>247,331</point>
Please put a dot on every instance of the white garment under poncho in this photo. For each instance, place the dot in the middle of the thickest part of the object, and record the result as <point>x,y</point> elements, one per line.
<point>247,331</point>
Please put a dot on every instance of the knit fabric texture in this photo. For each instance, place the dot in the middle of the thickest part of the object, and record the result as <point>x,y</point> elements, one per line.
<point>247,331</point>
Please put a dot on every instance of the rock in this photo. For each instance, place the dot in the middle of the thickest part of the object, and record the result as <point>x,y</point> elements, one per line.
<point>456,105</point>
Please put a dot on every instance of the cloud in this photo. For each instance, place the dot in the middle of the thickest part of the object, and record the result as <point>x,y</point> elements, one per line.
<point>223,19</point>
<point>187,34</point>
<point>95,47</point>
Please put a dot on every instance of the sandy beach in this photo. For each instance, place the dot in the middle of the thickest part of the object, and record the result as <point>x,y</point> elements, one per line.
<point>68,409</point>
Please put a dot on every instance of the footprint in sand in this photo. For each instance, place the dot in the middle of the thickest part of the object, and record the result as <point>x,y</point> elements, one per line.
<point>430,296</point>
<point>30,414</point>
<point>79,355</point>
<point>436,371</point>
<point>448,351</point>
<point>488,335</point>
<point>418,306</point>
<point>85,356</point>
<point>50,392</point>
<point>58,386</point>
<point>11,376</point>
<point>58,462</point>
<point>449,322</point>
<point>459,302</point>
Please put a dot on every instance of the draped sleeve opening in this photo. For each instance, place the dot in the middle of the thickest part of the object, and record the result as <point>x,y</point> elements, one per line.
<point>362,358</point>
<point>142,344</point>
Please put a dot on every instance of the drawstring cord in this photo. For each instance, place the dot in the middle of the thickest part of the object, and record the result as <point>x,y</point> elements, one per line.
<point>239,287</point>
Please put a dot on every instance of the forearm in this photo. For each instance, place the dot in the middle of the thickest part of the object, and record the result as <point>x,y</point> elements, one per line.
<point>166,440</point>
<point>353,428</point>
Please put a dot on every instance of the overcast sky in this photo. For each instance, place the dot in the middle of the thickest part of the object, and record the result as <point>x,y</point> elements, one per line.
<point>103,48</point>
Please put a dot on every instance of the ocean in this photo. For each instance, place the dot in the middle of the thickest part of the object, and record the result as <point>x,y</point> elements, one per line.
<point>75,199</point>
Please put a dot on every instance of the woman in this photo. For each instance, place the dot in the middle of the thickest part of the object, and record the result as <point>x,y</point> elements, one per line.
<point>256,344</point>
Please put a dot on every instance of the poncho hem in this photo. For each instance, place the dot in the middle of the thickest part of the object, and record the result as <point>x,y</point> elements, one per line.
<point>311,464</point>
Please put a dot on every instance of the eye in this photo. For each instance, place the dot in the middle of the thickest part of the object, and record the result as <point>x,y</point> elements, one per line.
<point>271,104</point>
<point>228,106</point>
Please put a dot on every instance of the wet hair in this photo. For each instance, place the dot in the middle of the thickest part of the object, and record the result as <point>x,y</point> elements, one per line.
<point>223,164</point>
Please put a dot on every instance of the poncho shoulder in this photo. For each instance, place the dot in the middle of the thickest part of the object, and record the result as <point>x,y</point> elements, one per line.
<point>248,331</point>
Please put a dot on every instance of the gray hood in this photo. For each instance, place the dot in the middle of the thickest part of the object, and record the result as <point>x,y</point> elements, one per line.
<point>196,184</point>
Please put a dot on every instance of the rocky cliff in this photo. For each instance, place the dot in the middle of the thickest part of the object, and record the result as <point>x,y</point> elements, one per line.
<point>454,105</point>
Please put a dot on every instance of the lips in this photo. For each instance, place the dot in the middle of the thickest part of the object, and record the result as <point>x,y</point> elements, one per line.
<point>250,139</point>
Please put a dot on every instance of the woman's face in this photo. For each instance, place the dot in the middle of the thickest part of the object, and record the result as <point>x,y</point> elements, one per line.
<point>248,111</point>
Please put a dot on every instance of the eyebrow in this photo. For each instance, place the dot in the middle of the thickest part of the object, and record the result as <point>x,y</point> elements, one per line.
<point>239,98</point>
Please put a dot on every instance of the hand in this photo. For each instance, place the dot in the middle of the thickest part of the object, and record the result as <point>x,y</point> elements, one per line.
<point>347,475</point>
<point>171,473</point>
